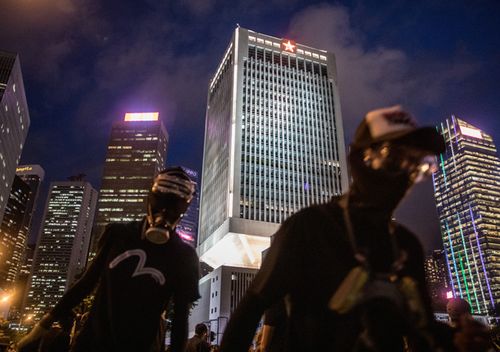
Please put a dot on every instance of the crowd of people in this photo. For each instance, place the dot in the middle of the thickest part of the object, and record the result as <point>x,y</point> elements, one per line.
<point>339,276</point>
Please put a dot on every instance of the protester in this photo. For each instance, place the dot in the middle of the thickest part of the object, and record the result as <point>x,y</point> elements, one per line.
<point>140,266</point>
<point>198,343</point>
<point>353,277</point>
<point>469,335</point>
<point>457,308</point>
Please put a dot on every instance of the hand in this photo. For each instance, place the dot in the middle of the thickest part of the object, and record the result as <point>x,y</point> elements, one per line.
<point>472,336</point>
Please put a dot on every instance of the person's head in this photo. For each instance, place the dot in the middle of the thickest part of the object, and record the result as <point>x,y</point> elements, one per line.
<point>456,309</point>
<point>168,200</point>
<point>201,330</point>
<point>389,154</point>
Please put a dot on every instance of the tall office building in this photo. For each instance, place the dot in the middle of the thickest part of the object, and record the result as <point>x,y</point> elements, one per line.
<point>13,233</point>
<point>136,152</point>
<point>274,144</point>
<point>14,122</point>
<point>467,192</point>
<point>33,176</point>
<point>63,243</point>
<point>188,226</point>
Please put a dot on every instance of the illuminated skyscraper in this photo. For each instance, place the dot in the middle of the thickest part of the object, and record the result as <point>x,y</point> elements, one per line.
<point>436,276</point>
<point>63,243</point>
<point>467,192</point>
<point>33,176</point>
<point>188,226</point>
<point>136,152</point>
<point>14,122</point>
<point>13,233</point>
<point>274,143</point>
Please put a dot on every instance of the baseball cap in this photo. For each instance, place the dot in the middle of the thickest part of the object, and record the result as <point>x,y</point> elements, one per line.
<point>393,124</point>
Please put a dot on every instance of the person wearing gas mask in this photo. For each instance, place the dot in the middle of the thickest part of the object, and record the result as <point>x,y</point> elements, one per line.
<point>139,268</point>
<point>353,278</point>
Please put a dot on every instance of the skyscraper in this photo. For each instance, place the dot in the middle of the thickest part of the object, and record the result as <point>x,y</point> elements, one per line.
<point>13,233</point>
<point>137,150</point>
<point>63,243</point>
<point>188,226</point>
<point>33,176</point>
<point>467,192</point>
<point>14,122</point>
<point>274,143</point>
<point>436,276</point>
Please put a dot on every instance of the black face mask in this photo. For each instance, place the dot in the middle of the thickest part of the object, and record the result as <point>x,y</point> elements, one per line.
<point>378,189</point>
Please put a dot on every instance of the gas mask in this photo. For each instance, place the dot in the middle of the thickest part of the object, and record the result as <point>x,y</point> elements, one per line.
<point>168,200</point>
<point>383,173</point>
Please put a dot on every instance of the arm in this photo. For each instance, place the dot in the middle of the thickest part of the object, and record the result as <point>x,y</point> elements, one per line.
<point>84,286</point>
<point>185,293</point>
<point>179,325</point>
<point>273,281</point>
<point>73,296</point>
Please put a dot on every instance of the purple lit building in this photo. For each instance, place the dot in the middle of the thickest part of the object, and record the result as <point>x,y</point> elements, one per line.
<point>467,192</point>
<point>188,226</point>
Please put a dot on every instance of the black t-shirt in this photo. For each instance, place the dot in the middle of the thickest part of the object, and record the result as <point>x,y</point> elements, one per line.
<point>136,280</point>
<point>310,256</point>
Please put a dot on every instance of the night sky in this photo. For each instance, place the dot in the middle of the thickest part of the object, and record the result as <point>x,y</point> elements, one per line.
<point>87,62</point>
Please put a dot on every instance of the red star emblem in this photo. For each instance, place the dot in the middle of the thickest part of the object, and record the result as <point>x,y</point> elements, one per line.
<point>288,46</point>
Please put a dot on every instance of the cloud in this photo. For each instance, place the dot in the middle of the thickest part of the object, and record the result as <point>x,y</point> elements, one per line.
<point>374,76</point>
<point>199,7</point>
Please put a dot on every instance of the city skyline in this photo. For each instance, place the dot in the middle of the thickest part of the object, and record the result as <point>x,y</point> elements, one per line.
<point>434,67</point>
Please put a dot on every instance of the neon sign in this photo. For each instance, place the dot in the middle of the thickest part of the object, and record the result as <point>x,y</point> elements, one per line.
<point>141,116</point>
<point>288,45</point>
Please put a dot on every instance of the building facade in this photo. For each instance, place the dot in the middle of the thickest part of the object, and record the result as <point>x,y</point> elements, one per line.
<point>13,232</point>
<point>62,245</point>
<point>221,290</point>
<point>188,226</point>
<point>274,144</point>
<point>136,152</point>
<point>467,193</point>
<point>437,279</point>
<point>14,122</point>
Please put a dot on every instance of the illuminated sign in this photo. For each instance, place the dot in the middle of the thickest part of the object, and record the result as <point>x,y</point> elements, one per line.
<point>471,132</point>
<point>24,168</point>
<point>288,45</point>
<point>141,116</point>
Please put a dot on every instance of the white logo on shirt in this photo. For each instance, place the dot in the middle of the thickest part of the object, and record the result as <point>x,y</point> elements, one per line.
<point>139,269</point>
